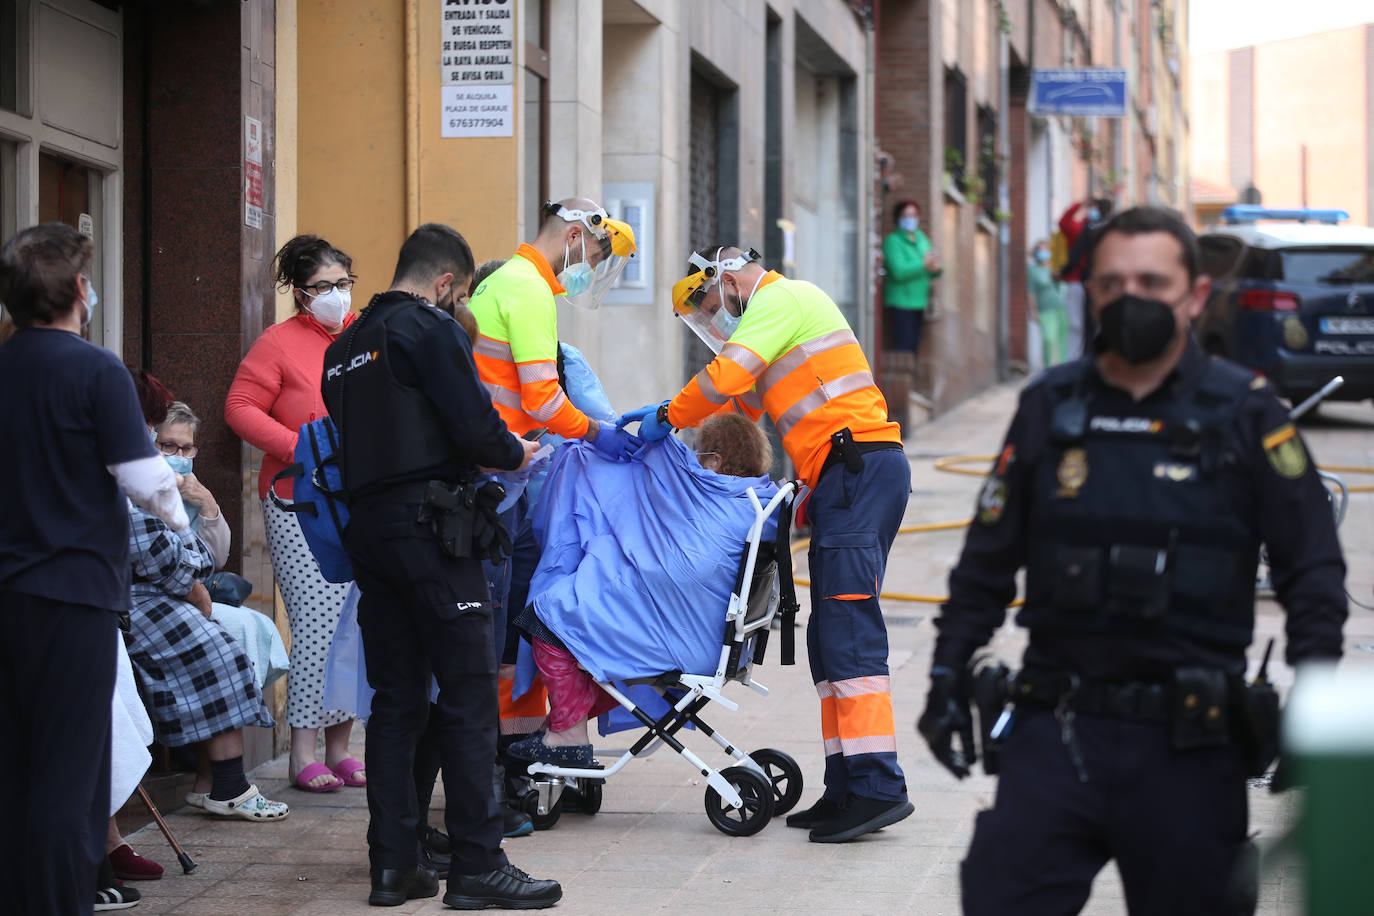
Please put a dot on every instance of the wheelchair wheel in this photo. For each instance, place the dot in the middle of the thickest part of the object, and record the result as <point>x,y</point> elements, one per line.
<point>753,815</point>
<point>591,797</point>
<point>785,776</point>
<point>529,803</point>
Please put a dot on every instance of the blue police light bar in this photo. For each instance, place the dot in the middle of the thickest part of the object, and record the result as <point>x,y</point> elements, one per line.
<point>1250,213</point>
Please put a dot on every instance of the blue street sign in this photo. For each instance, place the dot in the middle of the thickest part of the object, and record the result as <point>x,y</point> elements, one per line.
<point>1090,92</point>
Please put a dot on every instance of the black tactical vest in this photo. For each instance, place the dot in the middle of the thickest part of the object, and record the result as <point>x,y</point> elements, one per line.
<point>389,431</point>
<point>1138,521</point>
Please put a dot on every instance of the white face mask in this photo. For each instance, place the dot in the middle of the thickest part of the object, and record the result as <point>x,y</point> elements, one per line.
<point>330,308</point>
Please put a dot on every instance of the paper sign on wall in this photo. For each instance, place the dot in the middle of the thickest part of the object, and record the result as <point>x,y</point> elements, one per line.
<point>252,172</point>
<point>477,63</point>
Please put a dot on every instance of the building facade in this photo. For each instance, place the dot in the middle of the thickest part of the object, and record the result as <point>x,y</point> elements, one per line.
<point>192,140</point>
<point>953,131</point>
<point>1287,123</point>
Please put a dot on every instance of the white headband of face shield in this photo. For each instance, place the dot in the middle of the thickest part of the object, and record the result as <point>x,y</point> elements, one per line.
<point>720,267</point>
<point>597,225</point>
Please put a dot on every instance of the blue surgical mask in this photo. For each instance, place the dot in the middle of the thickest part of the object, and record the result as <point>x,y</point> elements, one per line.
<point>1042,256</point>
<point>182,465</point>
<point>576,278</point>
<point>725,323</point>
<point>908,223</point>
<point>1093,215</point>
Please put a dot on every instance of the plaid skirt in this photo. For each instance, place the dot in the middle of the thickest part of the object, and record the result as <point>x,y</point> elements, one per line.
<point>197,681</point>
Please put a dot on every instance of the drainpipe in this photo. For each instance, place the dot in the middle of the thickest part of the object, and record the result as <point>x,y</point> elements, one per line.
<point>1120,126</point>
<point>1003,204</point>
<point>869,200</point>
<point>412,103</point>
<point>145,356</point>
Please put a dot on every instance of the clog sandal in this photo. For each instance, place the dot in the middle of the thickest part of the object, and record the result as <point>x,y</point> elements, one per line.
<point>196,799</point>
<point>251,806</point>
<point>348,770</point>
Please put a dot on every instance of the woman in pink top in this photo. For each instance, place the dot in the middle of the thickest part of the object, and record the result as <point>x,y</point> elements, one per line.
<point>276,390</point>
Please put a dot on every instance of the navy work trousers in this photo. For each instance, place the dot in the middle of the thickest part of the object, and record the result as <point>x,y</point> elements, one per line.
<point>57,676</point>
<point>854,517</point>
<point>1174,821</point>
<point>423,611</point>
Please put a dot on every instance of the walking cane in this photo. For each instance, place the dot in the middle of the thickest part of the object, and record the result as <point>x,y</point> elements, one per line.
<point>188,864</point>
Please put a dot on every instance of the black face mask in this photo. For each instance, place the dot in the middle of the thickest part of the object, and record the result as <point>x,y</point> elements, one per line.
<point>1136,329</point>
<point>447,306</point>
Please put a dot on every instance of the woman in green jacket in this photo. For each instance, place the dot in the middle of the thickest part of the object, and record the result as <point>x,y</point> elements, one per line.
<point>909,264</point>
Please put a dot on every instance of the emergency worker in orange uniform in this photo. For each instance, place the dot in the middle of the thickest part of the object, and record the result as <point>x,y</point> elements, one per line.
<point>785,348</point>
<point>575,258</point>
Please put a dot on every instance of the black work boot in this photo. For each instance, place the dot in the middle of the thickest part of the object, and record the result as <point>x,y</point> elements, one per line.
<point>858,815</point>
<point>394,886</point>
<point>822,809</point>
<point>507,888</point>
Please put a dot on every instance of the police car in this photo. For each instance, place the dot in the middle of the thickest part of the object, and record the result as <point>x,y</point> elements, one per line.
<point>1292,298</point>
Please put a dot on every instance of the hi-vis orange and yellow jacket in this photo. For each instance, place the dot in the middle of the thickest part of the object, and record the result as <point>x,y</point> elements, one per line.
<point>517,347</point>
<point>796,352</point>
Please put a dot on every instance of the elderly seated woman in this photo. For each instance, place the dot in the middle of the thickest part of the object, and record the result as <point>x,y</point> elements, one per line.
<point>568,632</point>
<point>199,686</point>
<point>255,633</point>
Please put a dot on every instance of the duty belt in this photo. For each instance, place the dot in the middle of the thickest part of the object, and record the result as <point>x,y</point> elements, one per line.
<point>1137,701</point>
<point>409,492</point>
<point>844,449</point>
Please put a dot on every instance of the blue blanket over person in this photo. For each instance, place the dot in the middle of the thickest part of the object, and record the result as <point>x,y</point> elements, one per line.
<point>640,557</point>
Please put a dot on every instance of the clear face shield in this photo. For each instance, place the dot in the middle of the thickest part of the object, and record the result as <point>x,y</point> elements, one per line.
<point>709,317</point>
<point>606,246</point>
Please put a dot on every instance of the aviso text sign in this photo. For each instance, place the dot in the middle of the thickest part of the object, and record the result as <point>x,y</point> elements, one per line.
<point>477,57</point>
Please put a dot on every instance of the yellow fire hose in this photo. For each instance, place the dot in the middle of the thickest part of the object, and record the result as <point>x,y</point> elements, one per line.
<point>955,464</point>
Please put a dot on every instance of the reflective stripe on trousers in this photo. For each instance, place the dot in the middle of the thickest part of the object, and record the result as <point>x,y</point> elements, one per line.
<point>854,518</point>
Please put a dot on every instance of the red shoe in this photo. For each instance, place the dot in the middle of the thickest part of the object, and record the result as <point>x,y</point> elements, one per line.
<point>131,866</point>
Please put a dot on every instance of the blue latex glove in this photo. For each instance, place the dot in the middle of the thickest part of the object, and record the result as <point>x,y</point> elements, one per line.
<point>650,429</point>
<point>648,410</point>
<point>615,443</point>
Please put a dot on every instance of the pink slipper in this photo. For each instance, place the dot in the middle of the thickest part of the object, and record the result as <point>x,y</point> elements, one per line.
<point>312,771</point>
<point>347,769</point>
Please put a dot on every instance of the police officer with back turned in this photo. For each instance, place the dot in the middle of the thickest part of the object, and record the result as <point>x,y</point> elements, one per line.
<point>1136,486</point>
<point>415,423</point>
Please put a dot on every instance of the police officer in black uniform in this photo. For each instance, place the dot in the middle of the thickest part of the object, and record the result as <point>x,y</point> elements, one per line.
<point>1136,487</point>
<point>415,423</point>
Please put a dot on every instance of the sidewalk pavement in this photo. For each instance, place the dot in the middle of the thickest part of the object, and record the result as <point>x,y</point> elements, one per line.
<point>651,846</point>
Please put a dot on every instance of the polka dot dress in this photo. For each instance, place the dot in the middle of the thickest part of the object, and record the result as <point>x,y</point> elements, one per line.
<point>312,607</point>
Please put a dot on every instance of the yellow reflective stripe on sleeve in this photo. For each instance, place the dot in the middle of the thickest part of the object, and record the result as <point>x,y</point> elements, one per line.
<point>745,358</point>
<point>847,384</point>
<point>550,407</point>
<point>800,353</point>
<point>709,390</point>
<point>504,396</point>
<point>494,349</point>
<point>537,372</point>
